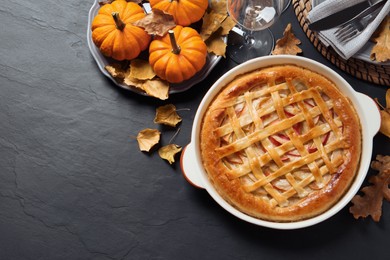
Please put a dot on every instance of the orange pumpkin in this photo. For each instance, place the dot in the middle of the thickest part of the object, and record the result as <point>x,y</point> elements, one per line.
<point>178,55</point>
<point>185,12</point>
<point>114,34</point>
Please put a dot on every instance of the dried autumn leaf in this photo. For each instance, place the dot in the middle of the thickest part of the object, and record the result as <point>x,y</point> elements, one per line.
<point>104,2</point>
<point>156,88</point>
<point>371,203</point>
<point>167,115</point>
<point>388,98</point>
<point>385,116</point>
<point>141,70</point>
<point>135,1</point>
<point>381,50</point>
<point>132,82</point>
<point>218,6</point>
<point>215,44</point>
<point>156,23</point>
<point>153,87</point>
<point>168,152</point>
<point>116,70</point>
<point>385,122</point>
<point>287,44</point>
<point>227,25</point>
<point>147,138</point>
<point>211,22</point>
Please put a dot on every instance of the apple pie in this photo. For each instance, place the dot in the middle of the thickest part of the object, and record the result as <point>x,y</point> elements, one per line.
<point>281,143</point>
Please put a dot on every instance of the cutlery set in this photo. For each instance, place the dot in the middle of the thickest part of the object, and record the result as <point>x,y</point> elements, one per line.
<point>356,25</point>
<point>351,21</point>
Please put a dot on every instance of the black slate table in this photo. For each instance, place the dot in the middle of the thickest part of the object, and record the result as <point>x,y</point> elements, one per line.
<point>74,185</point>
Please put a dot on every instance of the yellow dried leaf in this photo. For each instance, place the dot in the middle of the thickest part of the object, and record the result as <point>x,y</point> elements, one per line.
<point>218,6</point>
<point>167,115</point>
<point>116,70</point>
<point>168,152</point>
<point>227,25</point>
<point>211,22</point>
<point>156,23</point>
<point>156,88</point>
<point>132,82</point>
<point>141,70</point>
<point>153,87</point>
<point>385,122</point>
<point>215,44</point>
<point>147,138</point>
<point>287,44</point>
<point>385,115</point>
<point>381,50</point>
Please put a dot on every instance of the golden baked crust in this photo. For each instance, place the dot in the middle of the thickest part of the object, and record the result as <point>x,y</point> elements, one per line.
<point>281,143</point>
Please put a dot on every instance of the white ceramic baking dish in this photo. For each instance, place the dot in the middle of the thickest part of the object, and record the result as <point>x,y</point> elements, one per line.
<point>366,108</point>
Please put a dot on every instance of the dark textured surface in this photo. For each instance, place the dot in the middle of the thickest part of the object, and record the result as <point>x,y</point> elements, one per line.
<point>73,184</point>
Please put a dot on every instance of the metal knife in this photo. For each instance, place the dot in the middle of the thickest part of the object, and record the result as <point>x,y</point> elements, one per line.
<point>340,17</point>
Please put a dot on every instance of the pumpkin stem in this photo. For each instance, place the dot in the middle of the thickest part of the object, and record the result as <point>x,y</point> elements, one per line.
<point>120,25</point>
<point>175,48</point>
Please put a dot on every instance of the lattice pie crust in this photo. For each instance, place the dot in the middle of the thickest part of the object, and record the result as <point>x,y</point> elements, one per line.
<point>281,143</point>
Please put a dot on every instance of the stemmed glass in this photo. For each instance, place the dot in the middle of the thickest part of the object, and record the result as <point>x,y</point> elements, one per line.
<point>286,5</point>
<point>253,17</point>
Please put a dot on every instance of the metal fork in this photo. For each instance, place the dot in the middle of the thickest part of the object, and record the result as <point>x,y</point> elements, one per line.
<point>354,27</point>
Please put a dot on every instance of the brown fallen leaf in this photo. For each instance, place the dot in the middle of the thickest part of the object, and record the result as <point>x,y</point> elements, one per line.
<point>134,1</point>
<point>156,23</point>
<point>385,115</point>
<point>218,6</point>
<point>385,122</point>
<point>211,23</point>
<point>132,82</point>
<point>156,88</point>
<point>227,25</point>
<point>215,44</point>
<point>141,76</point>
<point>147,138</point>
<point>141,70</point>
<point>381,50</point>
<point>370,204</point>
<point>167,115</point>
<point>153,87</point>
<point>122,74</point>
<point>216,25</point>
<point>168,152</point>
<point>388,98</point>
<point>117,71</point>
<point>287,44</point>
<point>104,2</point>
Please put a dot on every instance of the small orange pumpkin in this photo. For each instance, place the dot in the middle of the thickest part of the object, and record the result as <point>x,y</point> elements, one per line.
<point>185,12</point>
<point>178,55</point>
<point>114,34</point>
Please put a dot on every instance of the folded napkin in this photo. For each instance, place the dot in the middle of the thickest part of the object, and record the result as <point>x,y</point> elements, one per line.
<point>350,48</point>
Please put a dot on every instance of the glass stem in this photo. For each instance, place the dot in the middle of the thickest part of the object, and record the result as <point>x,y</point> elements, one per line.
<point>249,38</point>
<point>251,41</point>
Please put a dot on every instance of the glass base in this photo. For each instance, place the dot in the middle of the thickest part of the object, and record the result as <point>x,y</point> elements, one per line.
<point>240,50</point>
<point>286,4</point>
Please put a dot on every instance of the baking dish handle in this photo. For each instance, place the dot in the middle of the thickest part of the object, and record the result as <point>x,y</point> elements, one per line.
<point>371,113</point>
<point>189,167</point>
